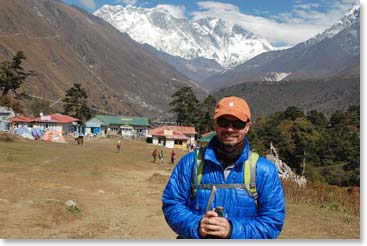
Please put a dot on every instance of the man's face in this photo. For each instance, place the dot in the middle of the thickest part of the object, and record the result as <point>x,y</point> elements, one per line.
<point>228,134</point>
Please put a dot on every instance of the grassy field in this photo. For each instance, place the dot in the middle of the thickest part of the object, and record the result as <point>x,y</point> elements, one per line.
<point>118,195</point>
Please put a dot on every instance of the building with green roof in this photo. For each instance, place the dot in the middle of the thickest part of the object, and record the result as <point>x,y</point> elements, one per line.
<point>117,125</point>
<point>205,138</point>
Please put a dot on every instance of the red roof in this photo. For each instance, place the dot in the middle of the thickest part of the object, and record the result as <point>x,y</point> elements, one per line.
<point>64,118</point>
<point>45,118</point>
<point>55,118</point>
<point>187,130</point>
<point>175,134</point>
<point>20,118</point>
<point>179,135</point>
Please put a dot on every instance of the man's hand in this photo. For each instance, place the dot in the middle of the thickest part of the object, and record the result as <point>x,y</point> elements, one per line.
<point>212,225</point>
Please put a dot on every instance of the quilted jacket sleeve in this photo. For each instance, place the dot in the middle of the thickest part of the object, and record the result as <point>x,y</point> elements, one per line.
<point>176,199</point>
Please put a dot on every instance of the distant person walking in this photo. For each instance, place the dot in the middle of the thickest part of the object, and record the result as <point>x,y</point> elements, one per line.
<point>173,157</point>
<point>154,154</point>
<point>118,146</point>
<point>192,147</point>
<point>161,157</point>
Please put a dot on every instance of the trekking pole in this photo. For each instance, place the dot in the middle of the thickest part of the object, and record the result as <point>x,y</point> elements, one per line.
<point>211,198</point>
<point>219,210</point>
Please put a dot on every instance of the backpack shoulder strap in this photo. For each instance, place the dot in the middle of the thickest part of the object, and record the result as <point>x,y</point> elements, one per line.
<point>250,175</point>
<point>198,167</point>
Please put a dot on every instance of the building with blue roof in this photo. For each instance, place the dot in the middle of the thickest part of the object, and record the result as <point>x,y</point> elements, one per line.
<point>5,114</point>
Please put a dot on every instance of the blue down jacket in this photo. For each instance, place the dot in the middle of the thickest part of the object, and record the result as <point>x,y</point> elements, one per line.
<point>183,211</point>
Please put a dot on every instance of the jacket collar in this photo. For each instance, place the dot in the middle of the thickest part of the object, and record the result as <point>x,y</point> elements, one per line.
<point>210,154</point>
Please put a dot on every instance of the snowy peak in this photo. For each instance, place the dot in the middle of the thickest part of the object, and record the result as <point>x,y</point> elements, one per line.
<point>212,26</point>
<point>209,38</point>
<point>351,18</point>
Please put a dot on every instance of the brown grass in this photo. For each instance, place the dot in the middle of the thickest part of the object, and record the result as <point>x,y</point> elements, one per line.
<point>324,196</point>
<point>119,194</point>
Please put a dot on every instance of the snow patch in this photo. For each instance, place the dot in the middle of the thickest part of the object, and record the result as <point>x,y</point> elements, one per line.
<point>275,76</point>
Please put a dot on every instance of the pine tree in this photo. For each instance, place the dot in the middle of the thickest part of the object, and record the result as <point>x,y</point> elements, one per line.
<point>207,111</point>
<point>186,106</point>
<point>76,103</point>
<point>12,74</point>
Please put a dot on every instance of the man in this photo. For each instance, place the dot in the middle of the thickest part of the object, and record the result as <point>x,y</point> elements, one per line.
<point>189,211</point>
<point>154,154</point>
<point>161,157</point>
<point>118,145</point>
<point>173,156</point>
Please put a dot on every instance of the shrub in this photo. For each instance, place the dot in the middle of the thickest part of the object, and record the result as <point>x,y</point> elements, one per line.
<point>321,194</point>
<point>6,137</point>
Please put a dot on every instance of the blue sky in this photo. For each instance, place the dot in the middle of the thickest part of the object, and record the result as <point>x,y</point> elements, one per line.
<point>281,22</point>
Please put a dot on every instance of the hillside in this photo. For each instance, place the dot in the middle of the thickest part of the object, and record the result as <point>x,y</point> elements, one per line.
<point>66,45</point>
<point>326,96</point>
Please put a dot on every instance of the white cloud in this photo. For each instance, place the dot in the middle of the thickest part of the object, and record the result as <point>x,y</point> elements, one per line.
<point>217,5</point>
<point>301,23</point>
<point>90,4</point>
<point>175,11</point>
<point>311,14</point>
<point>127,2</point>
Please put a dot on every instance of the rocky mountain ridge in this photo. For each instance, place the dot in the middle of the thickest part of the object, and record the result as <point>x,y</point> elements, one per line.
<point>209,38</point>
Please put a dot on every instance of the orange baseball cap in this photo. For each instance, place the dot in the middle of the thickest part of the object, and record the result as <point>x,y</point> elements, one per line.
<point>234,106</point>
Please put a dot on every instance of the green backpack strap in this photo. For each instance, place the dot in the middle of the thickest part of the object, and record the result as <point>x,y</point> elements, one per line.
<point>250,175</point>
<point>198,168</point>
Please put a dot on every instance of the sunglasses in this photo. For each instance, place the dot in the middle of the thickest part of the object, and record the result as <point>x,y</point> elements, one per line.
<point>236,124</point>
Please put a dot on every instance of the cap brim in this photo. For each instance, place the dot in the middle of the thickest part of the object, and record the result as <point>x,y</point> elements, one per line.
<point>238,115</point>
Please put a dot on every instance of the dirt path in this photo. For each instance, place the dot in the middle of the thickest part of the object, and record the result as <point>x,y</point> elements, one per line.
<point>119,194</point>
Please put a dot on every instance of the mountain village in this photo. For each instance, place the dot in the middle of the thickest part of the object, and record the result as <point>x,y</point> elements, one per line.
<point>53,127</point>
<point>41,127</point>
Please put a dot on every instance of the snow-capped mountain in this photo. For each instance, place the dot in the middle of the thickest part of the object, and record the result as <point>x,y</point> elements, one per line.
<point>66,45</point>
<point>334,52</point>
<point>350,20</point>
<point>209,38</point>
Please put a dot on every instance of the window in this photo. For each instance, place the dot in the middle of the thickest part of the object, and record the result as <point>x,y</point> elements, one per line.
<point>178,142</point>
